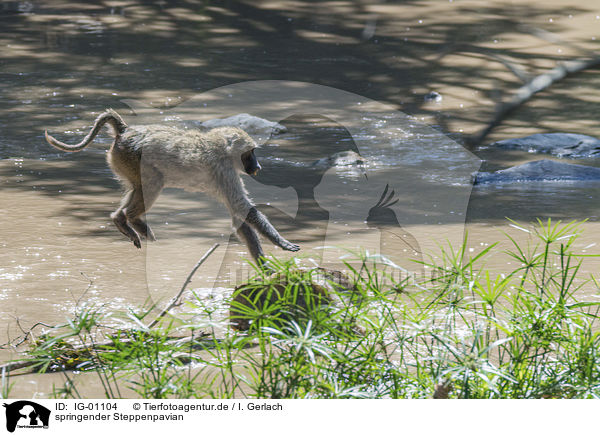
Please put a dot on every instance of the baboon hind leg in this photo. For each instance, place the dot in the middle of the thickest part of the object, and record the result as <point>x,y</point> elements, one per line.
<point>132,208</point>
<point>134,211</point>
<point>120,219</point>
<point>141,202</point>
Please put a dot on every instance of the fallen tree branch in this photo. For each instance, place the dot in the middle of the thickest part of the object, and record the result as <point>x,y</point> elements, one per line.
<point>95,347</point>
<point>175,301</point>
<point>525,92</point>
<point>513,67</point>
<point>86,350</point>
<point>16,365</point>
<point>26,334</point>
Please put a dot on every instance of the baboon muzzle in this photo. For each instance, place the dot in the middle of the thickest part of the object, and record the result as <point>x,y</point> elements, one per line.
<point>251,165</point>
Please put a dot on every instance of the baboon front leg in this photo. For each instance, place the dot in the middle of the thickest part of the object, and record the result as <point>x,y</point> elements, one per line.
<point>252,241</point>
<point>259,221</point>
<point>250,238</point>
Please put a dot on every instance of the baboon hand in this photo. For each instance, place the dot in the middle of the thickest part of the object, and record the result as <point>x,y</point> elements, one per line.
<point>290,246</point>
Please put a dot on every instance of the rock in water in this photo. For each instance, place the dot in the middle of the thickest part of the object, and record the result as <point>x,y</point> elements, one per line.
<point>433,97</point>
<point>343,158</point>
<point>298,296</point>
<point>558,144</point>
<point>540,170</point>
<point>250,124</point>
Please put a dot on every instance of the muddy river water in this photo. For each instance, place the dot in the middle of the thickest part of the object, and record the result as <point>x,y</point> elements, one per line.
<point>338,75</point>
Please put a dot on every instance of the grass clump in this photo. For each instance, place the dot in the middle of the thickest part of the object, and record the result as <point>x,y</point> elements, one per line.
<point>463,332</point>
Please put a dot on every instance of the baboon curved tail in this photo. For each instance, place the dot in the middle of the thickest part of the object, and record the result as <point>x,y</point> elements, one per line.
<point>110,116</point>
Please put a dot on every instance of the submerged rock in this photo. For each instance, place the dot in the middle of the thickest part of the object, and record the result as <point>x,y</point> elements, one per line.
<point>558,144</point>
<point>540,170</point>
<point>433,97</point>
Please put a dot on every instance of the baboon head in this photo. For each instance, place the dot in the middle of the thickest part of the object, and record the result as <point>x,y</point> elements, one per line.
<point>242,151</point>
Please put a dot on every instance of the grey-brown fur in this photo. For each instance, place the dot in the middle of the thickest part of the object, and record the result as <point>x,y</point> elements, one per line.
<point>148,158</point>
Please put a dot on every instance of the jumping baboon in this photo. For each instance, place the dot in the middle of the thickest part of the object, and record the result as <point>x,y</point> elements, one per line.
<point>209,162</point>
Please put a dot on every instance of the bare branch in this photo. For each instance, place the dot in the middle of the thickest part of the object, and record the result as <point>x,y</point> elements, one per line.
<point>525,92</point>
<point>175,301</point>
<point>519,72</point>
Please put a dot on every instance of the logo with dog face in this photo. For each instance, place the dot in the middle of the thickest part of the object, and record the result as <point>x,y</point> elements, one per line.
<point>26,414</point>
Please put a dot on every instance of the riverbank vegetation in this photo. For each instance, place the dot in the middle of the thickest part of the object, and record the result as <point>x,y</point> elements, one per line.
<point>462,332</point>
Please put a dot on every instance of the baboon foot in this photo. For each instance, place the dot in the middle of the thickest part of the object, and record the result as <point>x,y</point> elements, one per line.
<point>150,235</point>
<point>137,242</point>
<point>143,229</point>
<point>120,221</point>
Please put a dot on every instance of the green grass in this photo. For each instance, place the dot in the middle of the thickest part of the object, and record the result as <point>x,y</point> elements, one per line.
<point>465,332</point>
